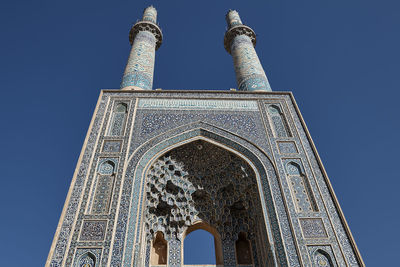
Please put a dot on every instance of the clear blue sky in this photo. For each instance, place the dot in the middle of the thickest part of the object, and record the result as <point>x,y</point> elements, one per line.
<point>340,58</point>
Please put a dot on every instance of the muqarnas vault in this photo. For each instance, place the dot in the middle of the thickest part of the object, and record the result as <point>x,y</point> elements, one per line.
<point>157,165</point>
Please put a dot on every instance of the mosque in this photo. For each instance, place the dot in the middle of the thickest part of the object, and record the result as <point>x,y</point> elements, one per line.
<point>240,164</point>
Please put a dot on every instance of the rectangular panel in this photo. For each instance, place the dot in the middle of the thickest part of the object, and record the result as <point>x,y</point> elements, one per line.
<point>313,228</point>
<point>197,104</point>
<point>93,230</point>
<point>287,147</point>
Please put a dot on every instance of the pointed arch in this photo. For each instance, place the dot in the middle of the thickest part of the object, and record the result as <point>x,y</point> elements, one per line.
<point>302,194</point>
<point>279,123</point>
<point>118,119</point>
<point>243,250</point>
<point>104,186</point>
<point>293,168</point>
<point>322,259</point>
<point>121,107</point>
<point>266,175</point>
<point>107,167</point>
<point>159,250</point>
<point>201,225</point>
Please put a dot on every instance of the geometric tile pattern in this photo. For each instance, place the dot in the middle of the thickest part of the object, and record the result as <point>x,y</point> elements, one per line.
<point>93,230</point>
<point>156,121</point>
<point>102,196</point>
<point>313,228</point>
<point>174,250</point>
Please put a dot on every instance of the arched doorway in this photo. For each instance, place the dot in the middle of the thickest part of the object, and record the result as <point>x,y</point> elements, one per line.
<point>205,247</point>
<point>201,181</point>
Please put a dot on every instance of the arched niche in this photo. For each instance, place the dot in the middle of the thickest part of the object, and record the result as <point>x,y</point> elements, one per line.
<point>243,250</point>
<point>279,123</point>
<point>117,124</point>
<point>200,225</point>
<point>107,167</point>
<point>104,186</point>
<point>87,260</point>
<point>159,250</point>
<point>121,108</point>
<point>322,259</point>
<point>303,196</point>
<point>148,152</point>
<point>202,181</point>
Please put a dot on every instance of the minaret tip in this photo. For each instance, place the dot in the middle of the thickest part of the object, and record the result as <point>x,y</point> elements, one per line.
<point>150,7</point>
<point>150,14</point>
<point>232,18</point>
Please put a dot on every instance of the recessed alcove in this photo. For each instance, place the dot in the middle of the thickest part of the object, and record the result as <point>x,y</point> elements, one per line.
<point>203,186</point>
<point>243,250</point>
<point>159,250</point>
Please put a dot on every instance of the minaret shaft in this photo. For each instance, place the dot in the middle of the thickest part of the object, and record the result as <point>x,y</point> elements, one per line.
<point>145,37</point>
<point>140,67</point>
<point>250,75</point>
<point>239,41</point>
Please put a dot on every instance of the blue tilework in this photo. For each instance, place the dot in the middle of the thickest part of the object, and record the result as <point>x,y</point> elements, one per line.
<point>140,67</point>
<point>250,74</point>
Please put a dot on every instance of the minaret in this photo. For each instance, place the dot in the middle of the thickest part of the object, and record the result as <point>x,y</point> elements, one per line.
<point>239,41</point>
<point>145,38</point>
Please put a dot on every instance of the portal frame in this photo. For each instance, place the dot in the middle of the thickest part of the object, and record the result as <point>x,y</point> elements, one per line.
<point>148,152</point>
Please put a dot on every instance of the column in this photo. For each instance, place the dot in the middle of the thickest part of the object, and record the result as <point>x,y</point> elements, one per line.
<point>240,41</point>
<point>145,38</point>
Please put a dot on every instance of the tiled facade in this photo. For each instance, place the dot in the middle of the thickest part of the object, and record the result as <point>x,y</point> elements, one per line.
<point>295,237</point>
